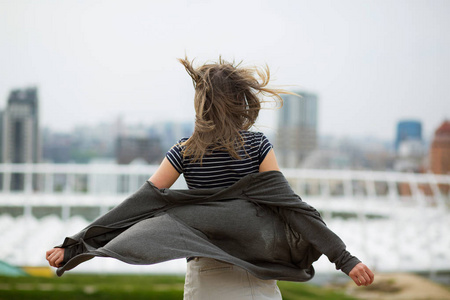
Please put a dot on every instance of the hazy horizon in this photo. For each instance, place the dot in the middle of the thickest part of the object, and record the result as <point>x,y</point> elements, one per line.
<point>371,63</point>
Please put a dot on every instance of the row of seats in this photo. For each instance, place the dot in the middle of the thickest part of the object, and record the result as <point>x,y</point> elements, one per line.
<point>414,240</point>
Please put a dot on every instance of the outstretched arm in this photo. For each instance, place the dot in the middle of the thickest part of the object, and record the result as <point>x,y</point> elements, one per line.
<point>164,177</point>
<point>360,273</point>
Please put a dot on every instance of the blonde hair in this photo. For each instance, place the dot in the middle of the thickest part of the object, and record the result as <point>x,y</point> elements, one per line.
<point>227,100</point>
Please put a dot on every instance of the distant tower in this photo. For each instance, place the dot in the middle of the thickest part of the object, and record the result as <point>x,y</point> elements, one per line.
<point>408,130</point>
<point>297,129</point>
<point>21,128</point>
<point>20,131</point>
<point>440,150</point>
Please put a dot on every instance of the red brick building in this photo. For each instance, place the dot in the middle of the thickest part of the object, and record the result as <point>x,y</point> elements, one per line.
<point>440,150</point>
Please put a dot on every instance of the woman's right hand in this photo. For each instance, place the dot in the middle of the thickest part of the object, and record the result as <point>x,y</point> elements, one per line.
<point>55,257</point>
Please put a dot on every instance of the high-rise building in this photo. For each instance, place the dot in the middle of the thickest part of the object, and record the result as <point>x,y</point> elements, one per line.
<point>440,150</point>
<point>409,146</point>
<point>21,139</point>
<point>408,130</point>
<point>297,129</point>
<point>20,131</point>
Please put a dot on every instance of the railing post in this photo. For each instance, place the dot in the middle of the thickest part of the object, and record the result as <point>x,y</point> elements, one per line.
<point>49,182</point>
<point>7,178</point>
<point>28,177</point>
<point>348,189</point>
<point>415,192</point>
<point>370,186</point>
<point>437,195</point>
<point>134,182</point>
<point>325,194</point>
<point>91,184</point>
<point>70,184</point>
<point>114,185</point>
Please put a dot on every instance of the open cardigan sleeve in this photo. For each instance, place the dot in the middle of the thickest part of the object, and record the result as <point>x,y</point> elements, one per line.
<point>323,239</point>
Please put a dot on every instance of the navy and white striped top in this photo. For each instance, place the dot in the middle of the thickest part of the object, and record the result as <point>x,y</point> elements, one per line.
<point>219,169</point>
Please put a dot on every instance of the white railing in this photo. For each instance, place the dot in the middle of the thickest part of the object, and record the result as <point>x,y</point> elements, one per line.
<point>363,192</point>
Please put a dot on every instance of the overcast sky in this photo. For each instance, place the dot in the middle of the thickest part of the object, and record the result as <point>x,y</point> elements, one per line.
<point>371,63</point>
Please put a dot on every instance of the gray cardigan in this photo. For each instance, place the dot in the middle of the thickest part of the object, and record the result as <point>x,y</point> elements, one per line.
<point>258,224</point>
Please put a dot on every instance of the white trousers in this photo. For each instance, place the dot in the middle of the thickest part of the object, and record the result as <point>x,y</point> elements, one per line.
<point>210,279</point>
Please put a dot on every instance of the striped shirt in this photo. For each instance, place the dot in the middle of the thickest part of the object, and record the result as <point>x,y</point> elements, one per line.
<point>219,169</point>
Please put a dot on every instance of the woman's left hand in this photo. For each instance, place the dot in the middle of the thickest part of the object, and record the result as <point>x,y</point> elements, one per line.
<point>361,275</point>
<point>55,257</point>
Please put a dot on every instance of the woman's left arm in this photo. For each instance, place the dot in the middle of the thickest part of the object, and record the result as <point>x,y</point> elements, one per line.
<point>165,175</point>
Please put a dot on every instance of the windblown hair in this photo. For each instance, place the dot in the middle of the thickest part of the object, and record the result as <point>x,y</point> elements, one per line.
<point>227,100</point>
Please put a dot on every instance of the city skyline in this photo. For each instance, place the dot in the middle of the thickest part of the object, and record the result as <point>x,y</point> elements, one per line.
<point>372,64</point>
<point>139,126</point>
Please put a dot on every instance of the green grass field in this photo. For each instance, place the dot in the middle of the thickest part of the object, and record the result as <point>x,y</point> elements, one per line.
<point>161,287</point>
